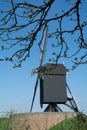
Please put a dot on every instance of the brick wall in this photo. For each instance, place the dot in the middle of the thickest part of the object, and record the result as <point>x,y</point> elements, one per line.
<point>38,121</point>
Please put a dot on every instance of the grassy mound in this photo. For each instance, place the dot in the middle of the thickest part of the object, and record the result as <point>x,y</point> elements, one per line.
<point>76,123</point>
<point>4,124</point>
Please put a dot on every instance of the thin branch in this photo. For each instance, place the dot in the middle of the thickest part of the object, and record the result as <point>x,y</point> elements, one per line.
<point>14,12</point>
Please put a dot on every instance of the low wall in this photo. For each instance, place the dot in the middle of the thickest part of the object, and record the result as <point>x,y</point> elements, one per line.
<point>38,121</point>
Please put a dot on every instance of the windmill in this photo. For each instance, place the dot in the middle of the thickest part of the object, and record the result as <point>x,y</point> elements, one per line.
<point>53,86</point>
<point>41,60</point>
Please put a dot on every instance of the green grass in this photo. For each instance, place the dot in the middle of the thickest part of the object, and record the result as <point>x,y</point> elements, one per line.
<point>4,124</point>
<point>72,124</point>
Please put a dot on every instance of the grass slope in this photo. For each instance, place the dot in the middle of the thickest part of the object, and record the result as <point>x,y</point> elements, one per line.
<point>4,124</point>
<point>76,123</point>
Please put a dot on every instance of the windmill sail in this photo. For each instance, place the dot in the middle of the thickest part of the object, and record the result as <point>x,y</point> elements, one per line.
<point>41,60</point>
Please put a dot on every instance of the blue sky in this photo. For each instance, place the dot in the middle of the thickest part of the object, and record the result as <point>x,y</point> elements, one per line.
<point>17,85</point>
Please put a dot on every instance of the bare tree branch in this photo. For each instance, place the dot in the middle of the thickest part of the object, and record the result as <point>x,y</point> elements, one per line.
<point>21,24</point>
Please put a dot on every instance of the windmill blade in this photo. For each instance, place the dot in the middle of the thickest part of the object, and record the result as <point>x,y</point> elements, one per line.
<point>43,45</point>
<point>41,60</point>
<point>35,89</point>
